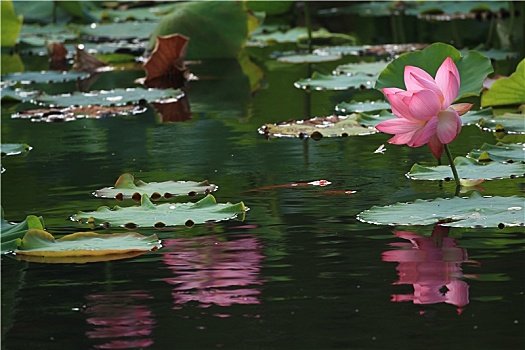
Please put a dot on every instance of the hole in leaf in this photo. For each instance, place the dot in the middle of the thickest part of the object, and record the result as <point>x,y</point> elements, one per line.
<point>119,197</point>
<point>130,226</point>
<point>193,193</point>
<point>168,195</point>
<point>189,223</point>
<point>316,135</point>
<point>447,179</point>
<point>301,135</point>
<point>136,197</point>
<point>344,134</point>
<point>155,196</point>
<point>159,225</point>
<point>105,225</point>
<point>501,225</point>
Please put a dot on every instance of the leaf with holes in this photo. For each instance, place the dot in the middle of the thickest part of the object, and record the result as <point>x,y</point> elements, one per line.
<point>475,211</point>
<point>28,78</point>
<point>500,153</point>
<point>126,188</point>
<point>319,127</point>
<point>162,215</point>
<point>469,169</point>
<point>39,245</point>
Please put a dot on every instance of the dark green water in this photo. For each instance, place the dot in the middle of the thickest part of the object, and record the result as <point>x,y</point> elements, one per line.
<point>300,272</point>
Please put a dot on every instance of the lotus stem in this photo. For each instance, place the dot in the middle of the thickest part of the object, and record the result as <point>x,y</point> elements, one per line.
<point>453,167</point>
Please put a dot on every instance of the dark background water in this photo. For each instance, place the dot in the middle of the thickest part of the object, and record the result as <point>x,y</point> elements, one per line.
<point>299,272</point>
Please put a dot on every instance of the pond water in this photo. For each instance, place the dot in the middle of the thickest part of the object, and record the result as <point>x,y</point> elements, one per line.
<point>299,272</point>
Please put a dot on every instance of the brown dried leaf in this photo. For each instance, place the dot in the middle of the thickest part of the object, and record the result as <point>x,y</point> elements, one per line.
<point>86,62</point>
<point>165,67</point>
<point>57,56</point>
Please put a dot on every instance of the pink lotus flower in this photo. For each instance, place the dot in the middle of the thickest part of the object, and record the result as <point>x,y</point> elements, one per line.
<point>424,111</point>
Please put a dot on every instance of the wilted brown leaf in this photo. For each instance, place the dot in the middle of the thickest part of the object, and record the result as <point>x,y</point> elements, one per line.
<point>85,62</point>
<point>57,56</point>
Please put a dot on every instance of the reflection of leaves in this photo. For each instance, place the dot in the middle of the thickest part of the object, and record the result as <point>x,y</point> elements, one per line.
<point>99,247</point>
<point>162,215</point>
<point>316,128</point>
<point>468,169</point>
<point>126,188</point>
<point>165,67</point>
<point>476,211</point>
<point>173,111</point>
<point>507,91</point>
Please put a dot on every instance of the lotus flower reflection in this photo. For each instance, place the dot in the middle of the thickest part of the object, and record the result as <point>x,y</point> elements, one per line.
<point>425,113</point>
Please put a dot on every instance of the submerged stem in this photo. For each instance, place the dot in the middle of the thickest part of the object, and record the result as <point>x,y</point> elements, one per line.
<point>453,167</point>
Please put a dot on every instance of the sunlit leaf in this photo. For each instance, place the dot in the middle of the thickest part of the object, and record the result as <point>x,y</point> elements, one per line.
<point>308,58</point>
<point>359,107</point>
<point>72,113</point>
<point>11,24</point>
<point>476,211</point>
<point>11,149</point>
<point>162,215</point>
<point>126,188</point>
<point>28,78</point>
<point>336,82</point>
<point>39,243</point>
<point>500,153</point>
<point>116,97</point>
<point>317,128</point>
<point>473,67</point>
<point>468,169</point>
<point>507,91</point>
<point>370,68</point>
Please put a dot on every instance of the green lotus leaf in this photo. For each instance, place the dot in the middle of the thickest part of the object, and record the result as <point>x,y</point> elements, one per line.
<point>11,149</point>
<point>473,117</point>
<point>500,153</point>
<point>475,211</point>
<point>455,7</point>
<point>386,50</point>
<point>9,93</point>
<point>469,169</point>
<point>11,234</point>
<point>473,68</point>
<point>497,54</point>
<point>319,127</point>
<point>222,37</point>
<point>126,188</point>
<point>119,31</point>
<point>43,77</point>
<point>336,82</point>
<point>162,215</point>
<point>116,97</point>
<point>146,13</point>
<point>507,91</point>
<point>290,36</point>
<point>369,68</point>
<point>359,107</point>
<point>512,123</point>
<point>371,120</point>
<point>368,9</point>
<point>308,58</point>
<point>98,247</point>
<point>11,24</point>
<point>37,35</point>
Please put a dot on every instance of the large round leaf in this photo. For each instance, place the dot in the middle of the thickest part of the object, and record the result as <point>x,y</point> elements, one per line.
<point>507,91</point>
<point>473,68</point>
<point>476,211</point>
<point>162,215</point>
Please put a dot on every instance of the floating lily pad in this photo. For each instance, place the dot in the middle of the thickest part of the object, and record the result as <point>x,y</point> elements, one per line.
<point>118,31</point>
<point>11,149</point>
<point>468,169</point>
<point>39,243</point>
<point>290,36</point>
<point>162,215</point>
<point>512,123</point>
<point>116,97</point>
<point>319,127</point>
<point>474,117</point>
<point>43,77</point>
<point>336,82</point>
<point>9,93</point>
<point>507,91</point>
<point>11,234</point>
<point>68,114</point>
<point>369,68</point>
<point>500,153</point>
<point>359,107</point>
<point>476,211</point>
<point>367,50</point>
<point>126,188</point>
<point>473,67</point>
<point>371,120</point>
<point>308,58</point>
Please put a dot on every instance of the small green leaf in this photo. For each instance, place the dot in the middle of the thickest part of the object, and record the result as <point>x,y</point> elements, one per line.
<point>336,82</point>
<point>119,31</point>
<point>473,67</point>
<point>316,128</point>
<point>469,169</point>
<point>501,153</point>
<point>308,58</point>
<point>476,211</point>
<point>507,91</point>
<point>11,149</point>
<point>126,188</point>
<point>359,107</point>
<point>511,123</point>
<point>369,68</point>
<point>162,215</point>
<point>43,77</point>
<point>39,243</point>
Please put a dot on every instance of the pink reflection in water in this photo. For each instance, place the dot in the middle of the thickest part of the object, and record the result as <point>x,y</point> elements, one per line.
<point>211,270</point>
<point>432,265</point>
<point>120,320</point>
